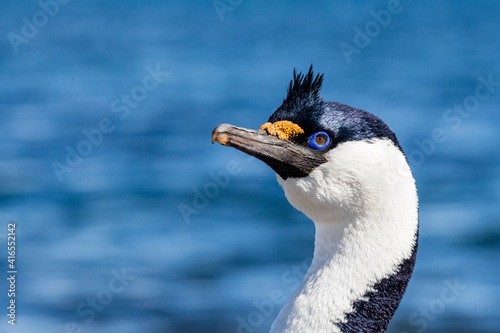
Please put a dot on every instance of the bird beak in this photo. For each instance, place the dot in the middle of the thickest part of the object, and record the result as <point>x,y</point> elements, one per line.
<point>287,159</point>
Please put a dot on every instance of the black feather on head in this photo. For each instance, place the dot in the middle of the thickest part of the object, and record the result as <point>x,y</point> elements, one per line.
<point>303,88</point>
<point>304,106</point>
<point>303,103</point>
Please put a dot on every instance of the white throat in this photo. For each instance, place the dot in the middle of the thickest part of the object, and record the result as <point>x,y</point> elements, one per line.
<point>364,205</point>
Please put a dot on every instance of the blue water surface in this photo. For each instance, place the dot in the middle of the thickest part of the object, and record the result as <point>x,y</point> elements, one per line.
<point>106,114</point>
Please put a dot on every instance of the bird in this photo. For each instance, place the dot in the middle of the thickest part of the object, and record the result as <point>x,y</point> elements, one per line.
<point>345,169</point>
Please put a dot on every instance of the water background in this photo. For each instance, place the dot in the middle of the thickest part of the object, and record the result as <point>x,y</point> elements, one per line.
<point>116,211</point>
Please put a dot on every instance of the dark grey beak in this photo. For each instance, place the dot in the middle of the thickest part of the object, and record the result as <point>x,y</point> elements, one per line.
<point>286,158</point>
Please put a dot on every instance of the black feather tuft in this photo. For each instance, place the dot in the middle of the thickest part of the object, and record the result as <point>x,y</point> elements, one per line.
<point>303,89</point>
<point>303,103</point>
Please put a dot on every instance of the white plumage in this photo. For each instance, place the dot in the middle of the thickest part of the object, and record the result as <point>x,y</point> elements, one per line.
<point>363,202</point>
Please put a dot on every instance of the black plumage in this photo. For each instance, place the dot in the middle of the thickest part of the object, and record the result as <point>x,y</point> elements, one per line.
<point>305,107</point>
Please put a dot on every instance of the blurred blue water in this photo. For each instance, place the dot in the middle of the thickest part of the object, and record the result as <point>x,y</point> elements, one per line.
<point>117,211</point>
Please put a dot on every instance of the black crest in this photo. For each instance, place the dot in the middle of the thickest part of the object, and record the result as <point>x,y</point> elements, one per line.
<point>304,89</point>
<point>303,104</point>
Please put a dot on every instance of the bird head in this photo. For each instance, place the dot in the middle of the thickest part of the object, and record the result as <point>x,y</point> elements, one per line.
<point>325,154</point>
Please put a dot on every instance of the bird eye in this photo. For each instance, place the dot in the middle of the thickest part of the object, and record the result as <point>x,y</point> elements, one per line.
<point>319,140</point>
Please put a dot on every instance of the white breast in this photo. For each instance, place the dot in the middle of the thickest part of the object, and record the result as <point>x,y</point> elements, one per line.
<point>364,205</point>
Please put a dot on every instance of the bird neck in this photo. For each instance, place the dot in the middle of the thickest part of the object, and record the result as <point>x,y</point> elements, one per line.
<point>364,205</point>
<point>352,285</point>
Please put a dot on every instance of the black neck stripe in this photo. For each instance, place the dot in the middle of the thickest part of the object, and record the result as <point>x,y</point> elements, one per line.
<point>374,314</point>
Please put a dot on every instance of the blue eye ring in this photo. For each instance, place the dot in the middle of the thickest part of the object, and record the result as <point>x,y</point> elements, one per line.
<point>323,137</point>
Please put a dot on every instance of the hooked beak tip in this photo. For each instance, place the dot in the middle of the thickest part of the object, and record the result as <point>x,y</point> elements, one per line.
<point>220,136</point>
